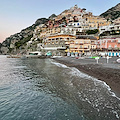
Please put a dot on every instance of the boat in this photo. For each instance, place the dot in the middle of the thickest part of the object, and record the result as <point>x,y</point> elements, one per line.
<point>118,60</point>
<point>49,53</point>
<point>35,54</point>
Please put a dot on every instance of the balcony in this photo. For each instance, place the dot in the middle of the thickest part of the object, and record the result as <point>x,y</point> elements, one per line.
<point>115,48</point>
<point>81,43</point>
<point>85,48</point>
<point>71,47</point>
<point>75,47</point>
<point>118,41</point>
<point>76,43</point>
<point>66,40</point>
<point>93,44</point>
<point>109,48</point>
<point>86,43</point>
<point>67,43</point>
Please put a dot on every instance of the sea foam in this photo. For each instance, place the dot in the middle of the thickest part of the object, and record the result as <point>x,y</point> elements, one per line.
<point>59,64</point>
<point>76,72</point>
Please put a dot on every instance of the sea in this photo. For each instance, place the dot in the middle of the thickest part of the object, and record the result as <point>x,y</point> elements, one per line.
<point>43,89</point>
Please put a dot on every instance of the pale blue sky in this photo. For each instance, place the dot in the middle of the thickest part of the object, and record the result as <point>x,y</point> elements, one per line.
<point>16,15</point>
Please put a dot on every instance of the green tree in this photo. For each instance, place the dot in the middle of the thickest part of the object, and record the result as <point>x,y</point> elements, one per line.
<point>23,41</point>
<point>92,31</point>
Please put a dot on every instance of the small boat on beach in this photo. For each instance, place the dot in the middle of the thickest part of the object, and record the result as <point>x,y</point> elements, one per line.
<point>35,54</point>
<point>118,60</point>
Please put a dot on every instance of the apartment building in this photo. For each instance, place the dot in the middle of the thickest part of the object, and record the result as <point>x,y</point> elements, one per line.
<point>109,44</point>
<point>83,44</point>
<point>58,43</point>
<point>95,22</point>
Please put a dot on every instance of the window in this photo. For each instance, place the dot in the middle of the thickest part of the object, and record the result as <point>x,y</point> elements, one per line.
<point>80,46</point>
<point>118,41</point>
<point>71,46</point>
<point>75,47</point>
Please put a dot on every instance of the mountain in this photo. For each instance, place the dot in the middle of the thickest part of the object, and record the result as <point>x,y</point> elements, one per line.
<point>112,13</point>
<point>20,38</point>
<point>52,16</point>
<point>41,21</point>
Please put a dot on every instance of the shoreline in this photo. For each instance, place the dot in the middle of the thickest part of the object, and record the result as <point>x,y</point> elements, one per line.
<point>109,73</point>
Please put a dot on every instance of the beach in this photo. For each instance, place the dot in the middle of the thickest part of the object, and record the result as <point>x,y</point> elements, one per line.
<point>107,72</point>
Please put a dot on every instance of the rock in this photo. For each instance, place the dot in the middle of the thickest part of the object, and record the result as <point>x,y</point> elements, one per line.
<point>4,50</point>
<point>52,16</point>
<point>112,13</point>
<point>41,21</point>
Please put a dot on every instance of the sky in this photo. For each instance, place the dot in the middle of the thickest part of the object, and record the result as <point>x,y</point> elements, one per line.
<point>16,15</point>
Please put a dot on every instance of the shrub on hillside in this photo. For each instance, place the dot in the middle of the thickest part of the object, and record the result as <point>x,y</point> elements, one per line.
<point>92,31</point>
<point>23,41</point>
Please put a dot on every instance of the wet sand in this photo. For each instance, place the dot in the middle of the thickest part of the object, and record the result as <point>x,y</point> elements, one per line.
<point>107,72</point>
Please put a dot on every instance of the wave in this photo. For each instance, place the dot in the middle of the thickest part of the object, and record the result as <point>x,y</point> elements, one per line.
<point>76,72</point>
<point>93,91</point>
<point>59,64</point>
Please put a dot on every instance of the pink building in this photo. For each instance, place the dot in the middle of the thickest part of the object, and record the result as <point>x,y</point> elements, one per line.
<point>111,44</point>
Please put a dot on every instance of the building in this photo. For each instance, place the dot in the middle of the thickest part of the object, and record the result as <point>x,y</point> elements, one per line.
<point>83,44</point>
<point>109,44</point>
<point>95,22</point>
<point>57,44</point>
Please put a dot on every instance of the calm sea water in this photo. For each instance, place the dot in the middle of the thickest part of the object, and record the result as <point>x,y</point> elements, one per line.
<point>42,89</point>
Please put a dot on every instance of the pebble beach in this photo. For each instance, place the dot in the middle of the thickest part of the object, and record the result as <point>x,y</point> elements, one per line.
<point>107,72</point>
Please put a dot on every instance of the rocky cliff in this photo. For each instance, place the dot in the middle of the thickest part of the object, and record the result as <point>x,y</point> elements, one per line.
<point>19,39</point>
<point>112,13</point>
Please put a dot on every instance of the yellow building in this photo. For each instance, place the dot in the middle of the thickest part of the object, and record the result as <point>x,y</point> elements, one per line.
<point>59,39</point>
<point>83,44</point>
<point>58,43</point>
<point>47,32</point>
<point>96,22</point>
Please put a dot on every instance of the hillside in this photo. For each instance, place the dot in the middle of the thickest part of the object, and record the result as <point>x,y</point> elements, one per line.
<point>20,38</point>
<point>112,13</point>
<point>17,43</point>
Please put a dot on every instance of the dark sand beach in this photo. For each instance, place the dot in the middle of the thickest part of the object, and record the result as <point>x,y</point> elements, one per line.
<point>107,72</point>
